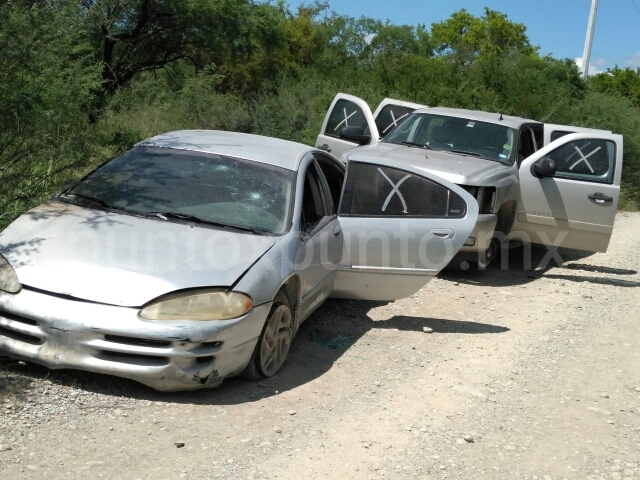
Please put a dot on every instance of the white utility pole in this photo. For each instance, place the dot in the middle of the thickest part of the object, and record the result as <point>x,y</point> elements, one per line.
<point>586,56</point>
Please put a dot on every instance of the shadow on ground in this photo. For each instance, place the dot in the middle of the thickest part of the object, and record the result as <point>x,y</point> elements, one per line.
<point>330,332</point>
<point>325,337</point>
<point>526,264</point>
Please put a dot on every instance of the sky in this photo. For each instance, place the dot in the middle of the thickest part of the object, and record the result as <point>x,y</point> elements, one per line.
<point>558,27</point>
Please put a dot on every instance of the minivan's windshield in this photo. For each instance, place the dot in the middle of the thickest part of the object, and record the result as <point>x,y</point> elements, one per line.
<point>178,184</point>
<point>458,135</point>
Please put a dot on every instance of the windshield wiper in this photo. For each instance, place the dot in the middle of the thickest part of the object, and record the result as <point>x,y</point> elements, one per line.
<point>193,218</point>
<point>414,144</point>
<point>472,154</point>
<point>91,198</point>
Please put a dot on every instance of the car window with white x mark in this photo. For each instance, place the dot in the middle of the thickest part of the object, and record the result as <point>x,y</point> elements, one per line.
<point>345,114</point>
<point>380,191</point>
<point>589,159</point>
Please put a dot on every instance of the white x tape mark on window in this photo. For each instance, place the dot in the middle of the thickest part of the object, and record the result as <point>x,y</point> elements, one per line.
<point>394,122</point>
<point>396,190</point>
<point>583,158</point>
<point>578,152</point>
<point>346,119</point>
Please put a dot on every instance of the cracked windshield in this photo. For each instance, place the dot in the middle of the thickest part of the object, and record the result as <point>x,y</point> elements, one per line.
<point>214,189</point>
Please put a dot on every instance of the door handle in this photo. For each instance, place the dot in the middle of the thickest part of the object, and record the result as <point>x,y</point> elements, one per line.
<point>324,147</point>
<point>443,233</point>
<point>599,197</point>
<point>337,230</point>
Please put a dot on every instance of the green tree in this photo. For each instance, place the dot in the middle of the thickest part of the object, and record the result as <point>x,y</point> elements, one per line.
<point>617,81</point>
<point>394,40</point>
<point>47,73</point>
<point>464,37</point>
<point>137,68</point>
<point>134,36</point>
<point>306,34</point>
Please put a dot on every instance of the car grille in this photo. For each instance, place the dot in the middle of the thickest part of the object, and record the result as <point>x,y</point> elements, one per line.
<point>142,342</point>
<point>20,328</point>
<point>132,358</point>
<point>107,347</point>
<point>22,337</point>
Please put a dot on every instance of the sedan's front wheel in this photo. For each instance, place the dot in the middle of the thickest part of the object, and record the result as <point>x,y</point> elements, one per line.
<point>274,342</point>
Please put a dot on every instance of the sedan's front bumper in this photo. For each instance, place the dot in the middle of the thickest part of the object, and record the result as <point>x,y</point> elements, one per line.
<point>65,333</point>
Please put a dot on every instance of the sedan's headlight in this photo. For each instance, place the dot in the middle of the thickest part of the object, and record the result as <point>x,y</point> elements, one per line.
<point>203,305</point>
<point>8,279</point>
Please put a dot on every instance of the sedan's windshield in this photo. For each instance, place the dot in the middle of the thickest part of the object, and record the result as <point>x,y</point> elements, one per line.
<point>177,184</point>
<point>458,135</point>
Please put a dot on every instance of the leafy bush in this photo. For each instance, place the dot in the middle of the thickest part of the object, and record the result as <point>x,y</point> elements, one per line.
<point>47,75</point>
<point>82,81</point>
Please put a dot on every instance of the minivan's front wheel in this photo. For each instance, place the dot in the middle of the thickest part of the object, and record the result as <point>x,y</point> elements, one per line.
<point>274,342</point>
<point>488,255</point>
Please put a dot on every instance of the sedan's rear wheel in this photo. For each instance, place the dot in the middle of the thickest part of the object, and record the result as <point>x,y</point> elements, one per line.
<point>274,342</point>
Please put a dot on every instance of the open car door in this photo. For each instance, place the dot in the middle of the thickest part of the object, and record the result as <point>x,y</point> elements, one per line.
<point>401,227</point>
<point>349,111</point>
<point>346,111</point>
<point>390,113</point>
<point>553,132</point>
<point>569,192</point>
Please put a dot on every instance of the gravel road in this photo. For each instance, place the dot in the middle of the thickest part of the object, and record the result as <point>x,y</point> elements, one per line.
<point>531,374</point>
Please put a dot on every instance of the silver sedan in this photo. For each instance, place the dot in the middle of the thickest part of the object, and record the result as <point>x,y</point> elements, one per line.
<point>195,256</point>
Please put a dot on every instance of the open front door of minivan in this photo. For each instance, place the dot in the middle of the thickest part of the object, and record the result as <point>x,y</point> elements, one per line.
<point>569,192</point>
<point>347,111</point>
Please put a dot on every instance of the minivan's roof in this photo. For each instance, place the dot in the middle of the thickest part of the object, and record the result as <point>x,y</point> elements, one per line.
<point>480,116</point>
<point>273,151</point>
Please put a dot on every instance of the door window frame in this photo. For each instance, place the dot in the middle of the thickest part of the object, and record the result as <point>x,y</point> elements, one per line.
<point>611,176</point>
<point>537,145</point>
<point>338,165</point>
<point>442,217</point>
<point>334,107</point>
<point>326,200</point>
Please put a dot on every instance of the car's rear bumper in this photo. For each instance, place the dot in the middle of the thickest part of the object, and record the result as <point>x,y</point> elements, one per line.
<point>64,333</point>
<point>482,234</point>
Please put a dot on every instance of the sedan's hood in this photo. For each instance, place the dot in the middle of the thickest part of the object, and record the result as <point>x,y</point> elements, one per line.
<point>456,168</point>
<point>121,259</point>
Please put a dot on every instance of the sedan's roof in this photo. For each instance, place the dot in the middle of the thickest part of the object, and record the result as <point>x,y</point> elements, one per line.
<point>273,151</point>
<point>479,116</point>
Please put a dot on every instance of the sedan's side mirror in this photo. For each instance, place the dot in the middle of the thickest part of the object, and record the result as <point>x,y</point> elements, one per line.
<point>545,167</point>
<point>356,135</point>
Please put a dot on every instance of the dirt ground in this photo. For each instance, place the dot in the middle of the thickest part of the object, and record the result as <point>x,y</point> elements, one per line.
<point>531,374</point>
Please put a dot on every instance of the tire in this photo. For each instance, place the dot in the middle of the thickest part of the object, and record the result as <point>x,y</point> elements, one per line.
<point>488,256</point>
<point>274,342</point>
<point>476,262</point>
